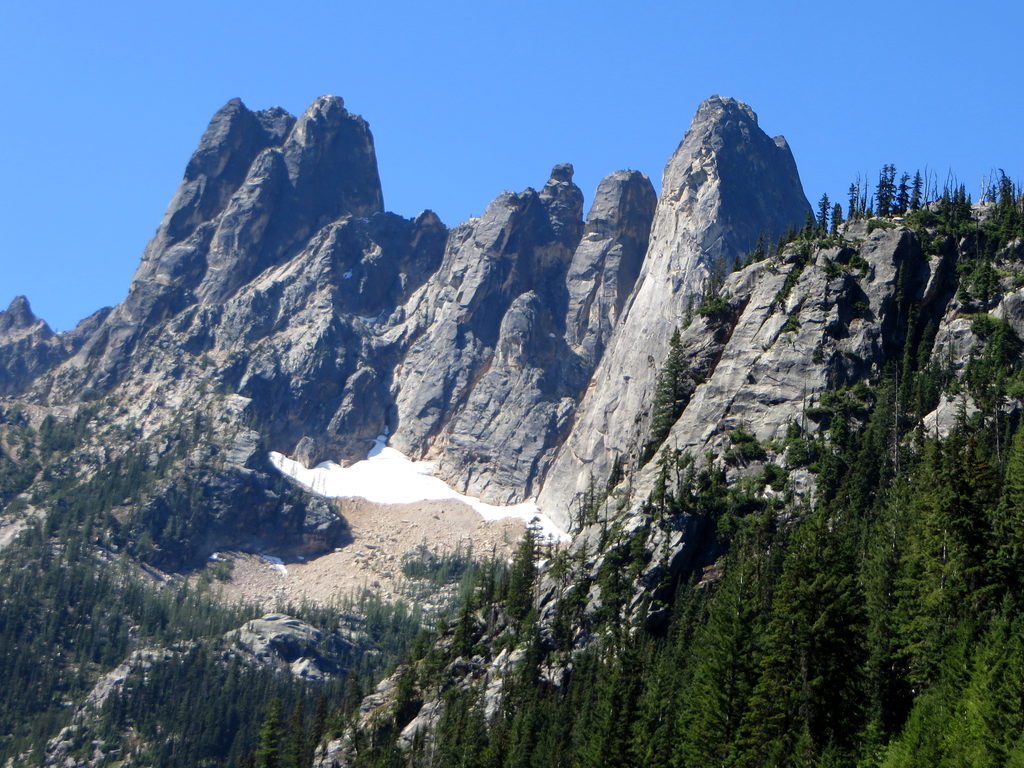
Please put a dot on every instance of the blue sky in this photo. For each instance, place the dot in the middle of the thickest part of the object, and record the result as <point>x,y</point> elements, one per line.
<point>102,103</point>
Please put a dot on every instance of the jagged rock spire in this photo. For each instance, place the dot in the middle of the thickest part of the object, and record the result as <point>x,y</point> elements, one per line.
<point>727,183</point>
<point>258,186</point>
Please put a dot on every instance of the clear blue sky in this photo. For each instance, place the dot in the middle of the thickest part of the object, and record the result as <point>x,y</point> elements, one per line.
<point>102,103</point>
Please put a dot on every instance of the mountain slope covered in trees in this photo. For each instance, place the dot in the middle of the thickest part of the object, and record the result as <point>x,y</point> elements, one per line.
<point>875,619</point>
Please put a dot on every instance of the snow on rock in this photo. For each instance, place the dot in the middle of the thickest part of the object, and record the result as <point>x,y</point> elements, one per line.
<point>277,562</point>
<point>388,476</point>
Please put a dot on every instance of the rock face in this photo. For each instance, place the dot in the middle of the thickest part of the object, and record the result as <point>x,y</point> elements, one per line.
<point>607,261</point>
<point>727,184</point>
<point>303,338</point>
<point>799,325</point>
<point>284,643</point>
<point>500,343</point>
<point>281,302</point>
<point>28,347</point>
<point>257,187</point>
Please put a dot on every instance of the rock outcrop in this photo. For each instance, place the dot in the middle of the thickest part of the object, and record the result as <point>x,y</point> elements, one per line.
<point>28,348</point>
<point>287,644</point>
<point>259,185</point>
<point>799,325</point>
<point>727,184</point>
<point>501,346</point>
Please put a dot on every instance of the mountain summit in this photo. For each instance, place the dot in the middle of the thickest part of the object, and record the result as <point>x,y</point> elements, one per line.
<point>276,274</point>
<point>727,185</point>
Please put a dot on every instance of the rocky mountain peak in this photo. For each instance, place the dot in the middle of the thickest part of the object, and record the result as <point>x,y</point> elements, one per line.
<point>218,166</point>
<point>726,184</point>
<point>258,188</point>
<point>257,182</point>
<point>563,201</point>
<point>717,109</point>
<point>562,172</point>
<point>727,168</point>
<point>17,317</point>
<point>607,262</point>
<point>505,335</point>
<point>331,162</point>
<point>27,347</point>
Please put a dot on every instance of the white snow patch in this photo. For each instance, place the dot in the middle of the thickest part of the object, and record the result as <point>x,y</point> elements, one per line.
<point>277,562</point>
<point>388,476</point>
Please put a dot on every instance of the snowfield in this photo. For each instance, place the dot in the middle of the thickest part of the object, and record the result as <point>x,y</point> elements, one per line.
<point>388,476</point>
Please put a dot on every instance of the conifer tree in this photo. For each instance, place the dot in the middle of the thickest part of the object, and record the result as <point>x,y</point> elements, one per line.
<point>944,557</point>
<point>916,189</point>
<point>888,695</point>
<point>724,669</point>
<point>268,749</point>
<point>885,192</point>
<point>293,754</point>
<point>853,205</point>
<point>655,728</point>
<point>824,210</point>
<point>671,393</point>
<point>903,195</point>
<point>759,253</point>
<point>810,226</point>
<point>523,575</point>
<point>613,710</point>
<point>1008,522</point>
<point>1008,218</point>
<point>808,699</point>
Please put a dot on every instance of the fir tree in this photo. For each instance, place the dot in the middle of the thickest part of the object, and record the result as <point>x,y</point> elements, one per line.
<point>671,393</point>
<point>810,227</point>
<point>853,205</point>
<point>268,749</point>
<point>724,668</point>
<point>885,192</point>
<point>916,189</point>
<point>903,195</point>
<point>808,700</point>
<point>837,218</point>
<point>293,754</point>
<point>824,210</point>
<point>1008,523</point>
<point>943,560</point>
<point>522,576</point>
<point>759,253</point>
